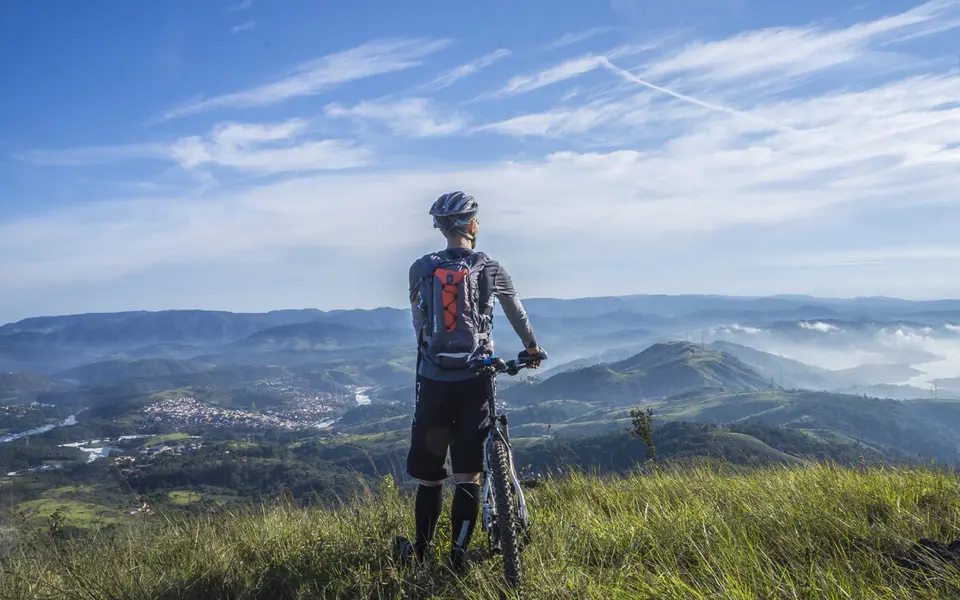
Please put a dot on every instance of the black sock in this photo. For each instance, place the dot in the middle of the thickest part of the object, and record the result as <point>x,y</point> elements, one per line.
<point>463,513</point>
<point>427,512</point>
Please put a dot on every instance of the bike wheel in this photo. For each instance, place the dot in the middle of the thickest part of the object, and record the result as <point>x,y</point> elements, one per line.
<point>507,523</point>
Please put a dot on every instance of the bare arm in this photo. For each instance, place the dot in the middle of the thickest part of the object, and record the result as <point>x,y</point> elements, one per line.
<point>512,307</point>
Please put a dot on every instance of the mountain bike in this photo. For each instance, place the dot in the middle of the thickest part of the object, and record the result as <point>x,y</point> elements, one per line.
<point>504,514</point>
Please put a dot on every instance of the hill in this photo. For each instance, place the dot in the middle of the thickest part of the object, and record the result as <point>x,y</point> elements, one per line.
<point>117,370</point>
<point>146,327</point>
<point>663,369</point>
<point>317,335</point>
<point>676,532</point>
<point>792,373</point>
<point>49,344</point>
<point>24,387</point>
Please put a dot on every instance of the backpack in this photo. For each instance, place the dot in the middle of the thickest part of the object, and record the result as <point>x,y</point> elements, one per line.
<point>457,313</point>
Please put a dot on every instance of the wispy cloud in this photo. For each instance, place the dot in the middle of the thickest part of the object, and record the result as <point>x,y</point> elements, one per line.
<point>658,153</point>
<point>789,52</point>
<point>579,36</point>
<point>255,148</point>
<point>562,72</point>
<point>247,26</point>
<point>242,5</point>
<point>316,76</point>
<point>413,117</point>
<point>690,99</point>
<point>454,75</point>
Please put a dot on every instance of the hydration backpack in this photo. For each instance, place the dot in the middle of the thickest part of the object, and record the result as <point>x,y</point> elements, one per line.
<point>457,314</point>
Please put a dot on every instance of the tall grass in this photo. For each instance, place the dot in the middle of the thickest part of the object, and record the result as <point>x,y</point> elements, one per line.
<point>811,532</point>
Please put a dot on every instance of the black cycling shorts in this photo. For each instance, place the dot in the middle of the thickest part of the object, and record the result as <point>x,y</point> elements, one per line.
<point>449,414</point>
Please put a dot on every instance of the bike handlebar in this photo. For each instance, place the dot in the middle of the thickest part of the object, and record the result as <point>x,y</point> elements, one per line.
<point>495,364</point>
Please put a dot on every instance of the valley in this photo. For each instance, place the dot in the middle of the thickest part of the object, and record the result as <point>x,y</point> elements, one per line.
<point>197,411</point>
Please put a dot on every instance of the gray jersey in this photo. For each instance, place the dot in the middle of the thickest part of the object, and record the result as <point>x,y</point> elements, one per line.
<point>498,285</point>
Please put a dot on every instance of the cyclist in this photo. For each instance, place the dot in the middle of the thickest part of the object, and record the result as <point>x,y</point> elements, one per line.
<point>457,286</point>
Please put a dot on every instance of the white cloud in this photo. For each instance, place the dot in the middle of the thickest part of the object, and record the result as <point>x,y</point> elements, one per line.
<point>316,76</point>
<point>458,73</point>
<point>239,6</point>
<point>248,147</point>
<point>579,36</point>
<point>247,26</point>
<point>818,326</point>
<point>562,72</point>
<point>681,172</point>
<point>789,52</point>
<point>414,117</point>
<point>562,121</point>
<point>256,148</point>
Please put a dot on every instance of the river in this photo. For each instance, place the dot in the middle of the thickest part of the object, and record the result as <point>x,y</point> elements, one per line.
<point>71,420</point>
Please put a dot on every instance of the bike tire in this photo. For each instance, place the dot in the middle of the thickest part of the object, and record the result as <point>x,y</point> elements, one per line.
<point>507,522</point>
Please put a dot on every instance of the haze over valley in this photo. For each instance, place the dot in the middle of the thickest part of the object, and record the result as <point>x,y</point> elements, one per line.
<point>192,409</point>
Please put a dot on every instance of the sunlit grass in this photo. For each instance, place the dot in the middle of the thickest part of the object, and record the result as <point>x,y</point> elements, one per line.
<point>816,532</point>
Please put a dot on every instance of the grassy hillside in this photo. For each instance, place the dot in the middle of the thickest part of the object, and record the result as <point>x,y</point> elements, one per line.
<point>684,532</point>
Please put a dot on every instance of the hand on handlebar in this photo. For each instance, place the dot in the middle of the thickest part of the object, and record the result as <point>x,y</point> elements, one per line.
<point>531,357</point>
<point>527,359</point>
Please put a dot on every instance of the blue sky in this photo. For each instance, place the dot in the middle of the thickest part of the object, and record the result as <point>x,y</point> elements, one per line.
<point>248,155</point>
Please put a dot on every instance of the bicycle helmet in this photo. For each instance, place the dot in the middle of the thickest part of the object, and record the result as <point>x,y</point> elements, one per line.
<point>453,211</point>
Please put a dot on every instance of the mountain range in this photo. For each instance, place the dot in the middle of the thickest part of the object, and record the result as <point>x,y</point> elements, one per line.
<point>880,346</point>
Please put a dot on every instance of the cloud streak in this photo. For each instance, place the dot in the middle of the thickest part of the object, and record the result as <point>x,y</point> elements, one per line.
<point>725,159</point>
<point>413,117</point>
<point>316,76</point>
<point>786,53</point>
<point>562,72</point>
<point>568,39</point>
<point>247,26</point>
<point>240,6</point>
<point>458,73</point>
<point>250,147</point>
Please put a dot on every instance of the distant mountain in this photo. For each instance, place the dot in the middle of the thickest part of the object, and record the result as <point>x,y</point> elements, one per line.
<point>930,428</point>
<point>50,344</point>
<point>894,392</point>
<point>317,335</point>
<point>162,350</point>
<point>24,387</point>
<point>572,329</point>
<point>115,371</point>
<point>926,427</point>
<point>664,369</point>
<point>772,367</point>
<point>145,328</point>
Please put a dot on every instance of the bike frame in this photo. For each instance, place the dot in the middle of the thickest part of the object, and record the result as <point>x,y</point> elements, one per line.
<point>498,430</point>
